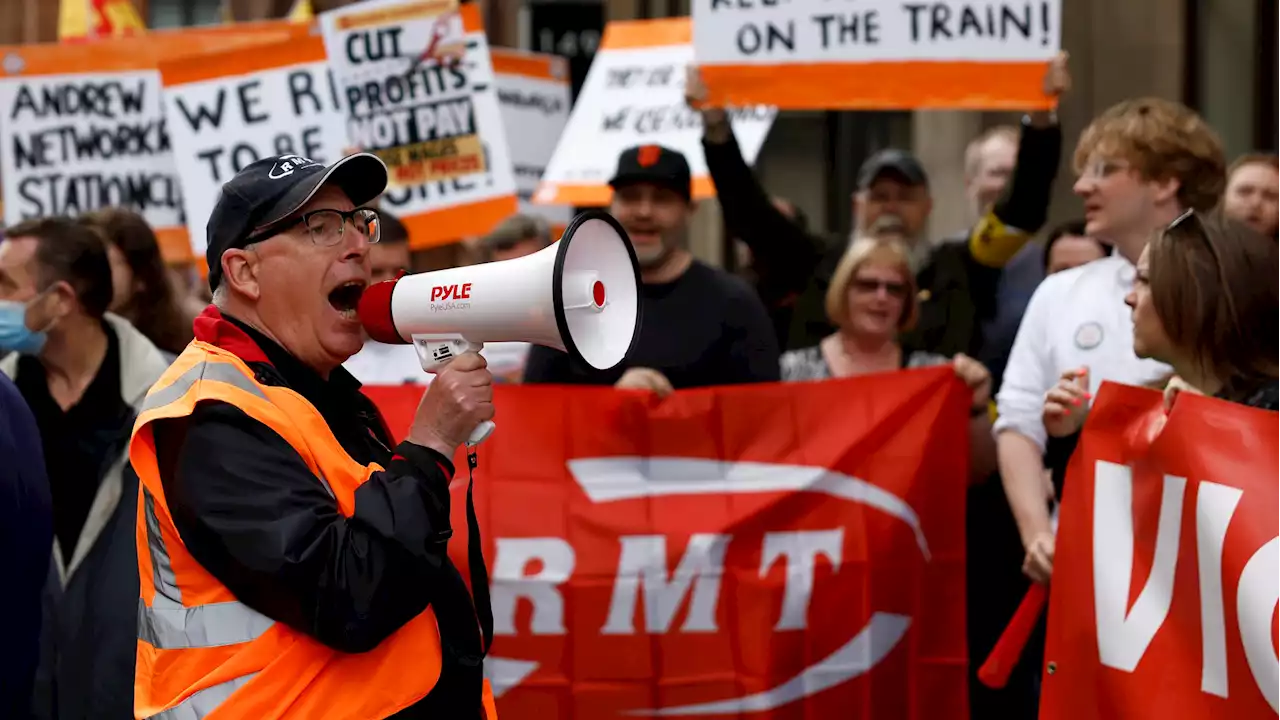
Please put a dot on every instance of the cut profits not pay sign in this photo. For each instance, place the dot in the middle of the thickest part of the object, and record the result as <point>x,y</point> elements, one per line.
<point>634,95</point>
<point>227,110</point>
<point>877,54</point>
<point>435,122</point>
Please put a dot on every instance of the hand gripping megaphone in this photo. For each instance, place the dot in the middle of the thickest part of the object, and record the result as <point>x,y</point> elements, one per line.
<point>581,295</point>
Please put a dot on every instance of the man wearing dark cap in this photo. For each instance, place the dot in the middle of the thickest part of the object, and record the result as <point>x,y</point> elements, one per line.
<point>700,326</point>
<point>292,558</point>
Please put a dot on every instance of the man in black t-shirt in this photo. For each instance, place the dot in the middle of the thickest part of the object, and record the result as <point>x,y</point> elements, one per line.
<point>699,325</point>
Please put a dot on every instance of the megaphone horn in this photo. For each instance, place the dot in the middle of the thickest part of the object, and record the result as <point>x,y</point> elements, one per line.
<point>580,295</point>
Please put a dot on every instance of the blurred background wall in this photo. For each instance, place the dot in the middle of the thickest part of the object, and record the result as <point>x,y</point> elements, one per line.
<point>1218,56</point>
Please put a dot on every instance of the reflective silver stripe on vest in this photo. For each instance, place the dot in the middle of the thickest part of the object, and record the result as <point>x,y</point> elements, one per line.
<point>168,624</point>
<point>201,703</point>
<point>215,371</point>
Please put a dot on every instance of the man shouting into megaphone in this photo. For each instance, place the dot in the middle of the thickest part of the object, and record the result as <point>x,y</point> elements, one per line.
<point>293,564</point>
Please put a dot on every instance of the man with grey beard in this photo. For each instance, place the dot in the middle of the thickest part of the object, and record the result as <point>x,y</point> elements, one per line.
<point>700,325</point>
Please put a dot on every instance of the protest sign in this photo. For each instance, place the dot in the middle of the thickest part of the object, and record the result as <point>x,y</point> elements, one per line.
<point>634,95</point>
<point>767,552</point>
<point>534,92</point>
<point>82,127</point>
<point>1166,571</point>
<point>877,54</point>
<point>226,110</point>
<point>418,90</point>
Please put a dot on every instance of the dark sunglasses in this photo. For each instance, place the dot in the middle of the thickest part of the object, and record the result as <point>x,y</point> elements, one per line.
<point>895,289</point>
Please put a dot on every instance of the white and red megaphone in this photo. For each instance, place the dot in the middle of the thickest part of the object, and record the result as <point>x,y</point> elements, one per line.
<point>581,296</point>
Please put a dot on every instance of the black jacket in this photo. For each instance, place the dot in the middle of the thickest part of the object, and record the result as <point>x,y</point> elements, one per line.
<point>958,289</point>
<point>253,515</point>
<point>26,542</point>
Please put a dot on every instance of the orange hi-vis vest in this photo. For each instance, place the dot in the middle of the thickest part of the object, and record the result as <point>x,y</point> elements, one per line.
<point>202,655</point>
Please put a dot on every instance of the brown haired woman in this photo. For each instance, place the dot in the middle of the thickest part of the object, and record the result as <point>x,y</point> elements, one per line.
<point>1205,301</point>
<point>872,299</point>
<point>143,294</point>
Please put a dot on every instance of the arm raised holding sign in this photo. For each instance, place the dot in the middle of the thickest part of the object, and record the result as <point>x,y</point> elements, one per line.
<point>893,194</point>
<point>785,256</point>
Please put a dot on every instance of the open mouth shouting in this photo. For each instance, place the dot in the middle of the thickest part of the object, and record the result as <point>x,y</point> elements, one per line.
<point>346,298</point>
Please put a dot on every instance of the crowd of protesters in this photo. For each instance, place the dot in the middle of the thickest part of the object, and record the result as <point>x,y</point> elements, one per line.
<point>1168,279</point>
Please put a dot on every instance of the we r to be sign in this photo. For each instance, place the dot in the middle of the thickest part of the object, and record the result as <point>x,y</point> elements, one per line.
<point>263,122</point>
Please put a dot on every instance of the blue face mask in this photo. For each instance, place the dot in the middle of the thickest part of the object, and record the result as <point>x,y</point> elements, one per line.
<point>14,334</point>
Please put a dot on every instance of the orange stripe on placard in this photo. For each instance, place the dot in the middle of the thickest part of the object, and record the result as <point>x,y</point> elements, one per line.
<point>394,15</point>
<point>175,245</point>
<point>134,53</point>
<point>629,34</point>
<point>472,20</point>
<point>601,195</point>
<point>450,225</point>
<point>230,63</point>
<point>880,85</point>
<point>507,61</point>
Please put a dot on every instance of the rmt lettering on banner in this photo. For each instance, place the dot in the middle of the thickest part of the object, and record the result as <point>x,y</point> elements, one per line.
<point>643,580</point>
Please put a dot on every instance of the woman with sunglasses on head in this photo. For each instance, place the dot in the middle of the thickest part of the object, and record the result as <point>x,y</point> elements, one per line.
<point>1205,301</point>
<point>872,299</point>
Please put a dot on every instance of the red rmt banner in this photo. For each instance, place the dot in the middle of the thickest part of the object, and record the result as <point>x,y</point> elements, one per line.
<point>767,552</point>
<point>1166,578</point>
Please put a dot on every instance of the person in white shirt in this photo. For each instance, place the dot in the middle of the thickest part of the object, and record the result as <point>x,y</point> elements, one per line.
<point>1140,164</point>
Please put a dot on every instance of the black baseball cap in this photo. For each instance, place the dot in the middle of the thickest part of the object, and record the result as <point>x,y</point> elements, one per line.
<point>654,164</point>
<point>892,161</point>
<point>268,191</point>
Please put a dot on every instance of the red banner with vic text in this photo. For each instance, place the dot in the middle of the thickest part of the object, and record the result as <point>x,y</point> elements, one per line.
<point>767,552</point>
<point>1166,577</point>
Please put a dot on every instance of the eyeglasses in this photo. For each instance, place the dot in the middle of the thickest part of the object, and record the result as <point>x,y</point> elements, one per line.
<point>327,227</point>
<point>1099,169</point>
<point>895,289</point>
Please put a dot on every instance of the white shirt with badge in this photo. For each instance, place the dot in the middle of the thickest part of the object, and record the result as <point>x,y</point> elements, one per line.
<point>1076,318</point>
<point>382,364</point>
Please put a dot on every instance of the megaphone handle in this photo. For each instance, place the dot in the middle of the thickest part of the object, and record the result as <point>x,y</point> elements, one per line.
<point>436,351</point>
<point>481,433</point>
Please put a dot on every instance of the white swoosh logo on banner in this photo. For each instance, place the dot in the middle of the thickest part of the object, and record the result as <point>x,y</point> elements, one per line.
<point>504,674</point>
<point>620,478</point>
<point>630,478</point>
<point>880,635</point>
